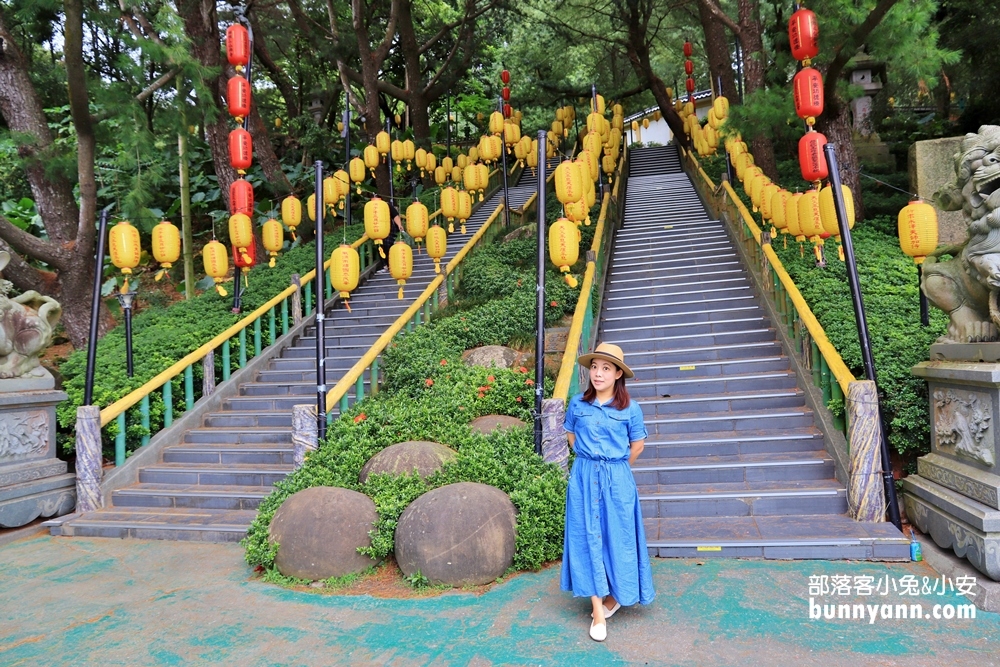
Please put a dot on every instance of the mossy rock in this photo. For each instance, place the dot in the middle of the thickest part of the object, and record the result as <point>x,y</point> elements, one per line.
<point>490,356</point>
<point>460,534</point>
<point>489,423</point>
<point>319,530</point>
<point>421,456</point>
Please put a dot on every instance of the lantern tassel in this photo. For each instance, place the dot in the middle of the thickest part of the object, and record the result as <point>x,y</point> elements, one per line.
<point>570,280</point>
<point>271,263</point>
<point>463,228</point>
<point>451,227</point>
<point>159,275</point>
<point>400,294</point>
<point>381,251</point>
<point>437,266</point>
<point>840,253</point>
<point>124,289</point>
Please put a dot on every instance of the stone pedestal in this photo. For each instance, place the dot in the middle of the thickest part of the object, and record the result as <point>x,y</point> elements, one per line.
<point>33,482</point>
<point>955,497</point>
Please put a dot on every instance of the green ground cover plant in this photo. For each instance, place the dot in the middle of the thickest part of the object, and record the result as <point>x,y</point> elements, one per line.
<point>163,335</point>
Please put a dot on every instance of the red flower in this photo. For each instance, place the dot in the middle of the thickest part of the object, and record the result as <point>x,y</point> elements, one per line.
<point>490,379</point>
<point>444,362</point>
<point>429,382</point>
<point>360,418</point>
<point>483,390</point>
<point>518,399</point>
<point>530,383</point>
<point>553,303</point>
<point>522,369</point>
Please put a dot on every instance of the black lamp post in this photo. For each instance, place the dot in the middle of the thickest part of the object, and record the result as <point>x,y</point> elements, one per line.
<point>95,307</point>
<point>503,154</point>
<point>862,324</point>
<point>540,303</point>
<point>320,308</point>
<point>126,299</point>
<point>593,101</point>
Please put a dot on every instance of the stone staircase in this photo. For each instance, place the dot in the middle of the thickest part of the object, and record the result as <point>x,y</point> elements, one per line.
<point>734,464</point>
<point>208,486</point>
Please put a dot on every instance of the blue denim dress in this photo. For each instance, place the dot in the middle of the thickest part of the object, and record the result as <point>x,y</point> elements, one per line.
<point>604,546</point>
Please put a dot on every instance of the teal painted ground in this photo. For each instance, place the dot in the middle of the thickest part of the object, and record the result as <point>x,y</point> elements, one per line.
<point>75,601</point>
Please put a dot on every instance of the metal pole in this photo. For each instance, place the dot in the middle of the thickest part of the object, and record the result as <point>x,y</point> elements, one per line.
<point>862,324</point>
<point>593,104</point>
<point>924,314</point>
<point>392,192</point>
<point>448,113</point>
<point>95,308</point>
<point>320,306</point>
<point>540,303</point>
<point>503,153</point>
<point>129,367</point>
<point>347,158</point>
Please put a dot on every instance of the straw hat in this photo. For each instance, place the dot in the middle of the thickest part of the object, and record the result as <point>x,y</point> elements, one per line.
<point>610,352</point>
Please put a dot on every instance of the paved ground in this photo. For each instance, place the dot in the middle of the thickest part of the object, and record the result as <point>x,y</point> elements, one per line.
<point>76,601</point>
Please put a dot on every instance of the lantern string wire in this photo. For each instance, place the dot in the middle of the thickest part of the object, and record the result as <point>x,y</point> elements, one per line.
<point>889,185</point>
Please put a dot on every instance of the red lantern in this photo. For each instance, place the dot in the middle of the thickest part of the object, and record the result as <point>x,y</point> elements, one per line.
<point>238,97</point>
<point>812,162</point>
<point>688,67</point>
<point>505,93</point>
<point>803,34</point>
<point>689,84</point>
<point>237,45</point>
<point>241,197</point>
<point>688,50</point>
<point>507,111</point>
<point>240,149</point>
<point>807,89</point>
<point>505,77</point>
<point>245,258</point>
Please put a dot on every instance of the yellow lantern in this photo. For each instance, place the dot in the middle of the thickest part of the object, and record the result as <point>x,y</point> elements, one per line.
<point>331,191</point>
<point>757,189</point>
<point>471,178</point>
<point>166,246</point>
<point>416,221</point>
<point>377,222</point>
<point>592,142</point>
<point>560,115</point>
<point>557,127</point>
<point>645,123</point>
<point>241,235</point>
<point>589,196</point>
<point>689,108</point>
<point>497,146</point>
<point>600,104</point>
<point>397,151</point>
<point>617,110</point>
<point>420,158</point>
<point>409,151</point>
<point>473,155</point>
<point>828,210</point>
<point>383,143</point>
<point>918,230</point>
<point>810,219</point>
<point>511,133</point>
<point>447,163</point>
<point>779,202</point>
<point>400,264</point>
<point>484,178</point>
<point>531,155</point>
<point>123,240</point>
<point>743,160</point>
<point>371,157</point>
<point>291,213</point>
<point>449,206</point>
<point>577,211</point>
<point>721,107</point>
<point>398,119</point>
<point>216,261</point>
<point>792,217</point>
<point>496,122</point>
<point>272,235</point>
<point>311,207</point>
<point>568,178</point>
<point>520,153</point>
<point>345,267</point>
<point>608,163</point>
<point>357,169</point>
<point>440,175</point>
<point>464,208</point>
<point>343,182</point>
<point>765,200</point>
<point>564,247</point>
<point>457,173</point>
<point>430,163</point>
<point>588,162</point>
<point>437,245</point>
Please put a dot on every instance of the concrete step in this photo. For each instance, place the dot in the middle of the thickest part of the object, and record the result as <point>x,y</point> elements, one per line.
<point>777,399</point>
<point>807,536</point>
<point>224,436</point>
<point>198,496</point>
<point>764,440</point>
<point>698,323</point>
<point>686,341</point>
<point>230,474</point>
<point>699,314</point>
<point>781,498</point>
<point>768,467</point>
<point>253,419</point>
<point>704,353</point>
<point>196,525</point>
<point>722,384</point>
<point>730,420</point>
<point>269,454</point>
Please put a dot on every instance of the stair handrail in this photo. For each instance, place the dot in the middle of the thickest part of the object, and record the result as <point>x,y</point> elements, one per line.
<point>419,310</point>
<point>116,411</point>
<point>758,241</point>
<point>583,315</point>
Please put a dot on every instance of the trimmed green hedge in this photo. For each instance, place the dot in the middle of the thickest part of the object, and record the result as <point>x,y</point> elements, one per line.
<point>162,336</point>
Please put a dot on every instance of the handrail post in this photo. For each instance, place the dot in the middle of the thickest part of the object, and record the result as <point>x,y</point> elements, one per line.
<point>88,459</point>
<point>862,324</point>
<point>540,298</point>
<point>320,305</point>
<point>208,374</point>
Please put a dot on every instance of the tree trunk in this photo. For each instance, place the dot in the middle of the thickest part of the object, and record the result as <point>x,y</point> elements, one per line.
<point>717,49</point>
<point>754,62</point>
<point>835,123</point>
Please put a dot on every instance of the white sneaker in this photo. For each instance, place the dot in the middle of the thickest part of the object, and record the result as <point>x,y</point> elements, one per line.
<point>599,631</point>
<point>608,613</point>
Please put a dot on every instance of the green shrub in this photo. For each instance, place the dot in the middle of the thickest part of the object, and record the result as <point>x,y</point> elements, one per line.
<point>162,336</point>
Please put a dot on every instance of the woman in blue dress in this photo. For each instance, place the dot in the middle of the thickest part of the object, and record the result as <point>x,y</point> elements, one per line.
<point>604,546</point>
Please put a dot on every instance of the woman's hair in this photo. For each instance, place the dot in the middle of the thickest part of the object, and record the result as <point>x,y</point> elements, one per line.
<point>619,400</point>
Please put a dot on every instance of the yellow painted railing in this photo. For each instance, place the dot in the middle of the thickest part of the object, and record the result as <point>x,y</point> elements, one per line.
<point>277,311</point>
<point>828,369</point>
<point>580,330</point>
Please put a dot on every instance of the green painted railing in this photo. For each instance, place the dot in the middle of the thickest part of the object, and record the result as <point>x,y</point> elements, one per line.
<point>133,409</point>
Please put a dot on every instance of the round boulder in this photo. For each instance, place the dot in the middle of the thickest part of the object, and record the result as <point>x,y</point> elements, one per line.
<point>405,457</point>
<point>490,356</point>
<point>458,535</point>
<point>318,531</point>
<point>489,423</point>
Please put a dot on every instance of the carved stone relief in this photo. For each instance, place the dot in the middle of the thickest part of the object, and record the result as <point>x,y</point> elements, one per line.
<point>963,425</point>
<point>23,434</point>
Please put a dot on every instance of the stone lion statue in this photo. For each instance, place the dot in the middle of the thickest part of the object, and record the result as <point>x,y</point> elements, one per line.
<point>966,286</point>
<point>26,325</point>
